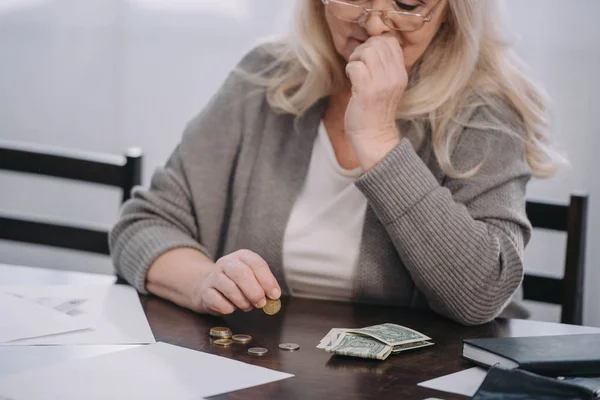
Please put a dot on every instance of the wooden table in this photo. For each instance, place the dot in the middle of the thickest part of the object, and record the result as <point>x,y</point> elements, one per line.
<point>318,375</point>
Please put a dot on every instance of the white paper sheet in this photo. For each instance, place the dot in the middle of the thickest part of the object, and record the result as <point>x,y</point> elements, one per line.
<point>114,312</point>
<point>464,382</point>
<point>14,359</point>
<point>158,371</point>
<point>23,319</point>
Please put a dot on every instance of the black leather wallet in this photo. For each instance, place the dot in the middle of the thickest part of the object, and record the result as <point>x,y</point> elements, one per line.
<point>516,384</point>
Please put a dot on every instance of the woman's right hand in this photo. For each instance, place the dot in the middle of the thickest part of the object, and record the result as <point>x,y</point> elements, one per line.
<point>239,280</point>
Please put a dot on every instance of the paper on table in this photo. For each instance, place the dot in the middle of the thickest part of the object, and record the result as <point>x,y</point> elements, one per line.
<point>464,382</point>
<point>158,371</point>
<point>22,319</point>
<point>114,311</point>
<point>64,305</point>
<point>15,359</point>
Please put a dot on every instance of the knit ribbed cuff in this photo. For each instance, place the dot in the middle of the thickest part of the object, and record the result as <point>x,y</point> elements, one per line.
<point>143,248</point>
<point>397,182</point>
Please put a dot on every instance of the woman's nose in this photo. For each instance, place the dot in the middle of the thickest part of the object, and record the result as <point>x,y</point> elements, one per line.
<point>375,24</point>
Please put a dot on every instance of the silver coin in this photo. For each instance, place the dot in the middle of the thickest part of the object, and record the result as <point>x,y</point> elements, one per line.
<point>257,351</point>
<point>289,346</point>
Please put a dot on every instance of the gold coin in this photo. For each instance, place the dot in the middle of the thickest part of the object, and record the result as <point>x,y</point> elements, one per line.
<point>221,332</point>
<point>272,307</point>
<point>242,338</point>
<point>223,342</point>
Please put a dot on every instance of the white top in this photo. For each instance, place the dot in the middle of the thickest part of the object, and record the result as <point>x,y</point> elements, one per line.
<point>322,239</point>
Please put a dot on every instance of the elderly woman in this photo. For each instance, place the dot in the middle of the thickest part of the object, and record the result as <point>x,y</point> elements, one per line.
<point>379,153</point>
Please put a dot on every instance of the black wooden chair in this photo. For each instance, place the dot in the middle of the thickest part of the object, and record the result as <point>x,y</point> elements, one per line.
<point>568,290</point>
<point>118,171</point>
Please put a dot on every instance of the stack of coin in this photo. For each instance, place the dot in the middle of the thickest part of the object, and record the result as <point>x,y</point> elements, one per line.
<point>221,332</point>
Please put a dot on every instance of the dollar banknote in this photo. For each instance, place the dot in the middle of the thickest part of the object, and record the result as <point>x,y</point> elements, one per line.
<point>410,346</point>
<point>361,346</point>
<point>331,337</point>
<point>376,342</point>
<point>391,334</point>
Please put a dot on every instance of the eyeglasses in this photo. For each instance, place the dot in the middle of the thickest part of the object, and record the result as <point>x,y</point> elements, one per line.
<point>398,20</point>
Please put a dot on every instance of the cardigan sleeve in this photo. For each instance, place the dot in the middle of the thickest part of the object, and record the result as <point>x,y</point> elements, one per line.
<point>461,240</point>
<point>163,217</point>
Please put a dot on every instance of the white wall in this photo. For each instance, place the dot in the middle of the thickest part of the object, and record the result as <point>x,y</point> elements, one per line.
<point>562,47</point>
<point>103,75</point>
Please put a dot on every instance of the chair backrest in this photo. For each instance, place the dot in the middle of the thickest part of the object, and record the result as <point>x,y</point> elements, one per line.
<point>568,290</point>
<point>123,172</point>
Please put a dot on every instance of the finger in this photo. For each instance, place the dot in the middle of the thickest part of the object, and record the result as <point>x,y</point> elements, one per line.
<point>241,274</point>
<point>263,273</point>
<point>394,52</point>
<point>393,63</point>
<point>232,292</point>
<point>356,54</point>
<point>369,55</point>
<point>367,78</point>
<point>391,57</point>
<point>359,75</point>
<point>393,68</point>
<point>381,47</point>
<point>216,303</point>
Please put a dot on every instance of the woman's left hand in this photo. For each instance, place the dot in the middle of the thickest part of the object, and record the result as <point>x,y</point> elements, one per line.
<point>379,78</point>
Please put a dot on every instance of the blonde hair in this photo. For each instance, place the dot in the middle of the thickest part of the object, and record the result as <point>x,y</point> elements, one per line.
<point>480,69</point>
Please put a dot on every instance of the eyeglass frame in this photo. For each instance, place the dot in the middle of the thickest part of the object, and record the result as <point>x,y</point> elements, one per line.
<point>370,11</point>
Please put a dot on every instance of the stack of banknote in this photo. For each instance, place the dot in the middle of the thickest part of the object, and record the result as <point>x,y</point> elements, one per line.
<point>377,341</point>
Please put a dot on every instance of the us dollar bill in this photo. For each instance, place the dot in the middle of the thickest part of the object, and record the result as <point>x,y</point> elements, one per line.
<point>410,346</point>
<point>360,346</point>
<point>332,336</point>
<point>370,342</point>
<point>391,334</point>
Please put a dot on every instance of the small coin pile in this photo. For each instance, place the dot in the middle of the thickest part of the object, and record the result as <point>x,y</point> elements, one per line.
<point>224,337</point>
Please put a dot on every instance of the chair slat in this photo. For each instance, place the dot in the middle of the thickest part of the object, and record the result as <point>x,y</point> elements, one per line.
<point>123,172</point>
<point>61,166</point>
<point>542,288</point>
<point>548,216</point>
<point>50,234</point>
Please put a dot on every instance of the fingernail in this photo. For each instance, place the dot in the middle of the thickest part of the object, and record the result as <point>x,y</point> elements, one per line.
<point>261,303</point>
<point>275,293</point>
